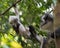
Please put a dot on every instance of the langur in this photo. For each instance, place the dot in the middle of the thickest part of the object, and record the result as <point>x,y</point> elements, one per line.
<point>47,20</point>
<point>47,24</point>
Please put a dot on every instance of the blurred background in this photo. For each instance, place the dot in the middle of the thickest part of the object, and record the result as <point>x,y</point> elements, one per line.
<point>30,13</point>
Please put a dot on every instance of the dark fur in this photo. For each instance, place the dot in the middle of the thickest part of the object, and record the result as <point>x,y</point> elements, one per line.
<point>32,30</point>
<point>47,18</point>
<point>16,28</point>
<point>56,33</point>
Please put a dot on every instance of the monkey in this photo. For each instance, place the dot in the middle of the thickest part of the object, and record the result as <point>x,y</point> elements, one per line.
<point>17,26</point>
<point>48,18</point>
<point>47,24</point>
<point>47,21</point>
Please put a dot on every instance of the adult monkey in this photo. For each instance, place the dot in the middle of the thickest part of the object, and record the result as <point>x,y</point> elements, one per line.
<point>47,24</point>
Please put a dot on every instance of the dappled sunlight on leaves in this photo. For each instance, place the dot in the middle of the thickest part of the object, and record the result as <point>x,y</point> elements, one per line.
<point>14,44</point>
<point>30,12</point>
<point>8,42</point>
<point>11,31</point>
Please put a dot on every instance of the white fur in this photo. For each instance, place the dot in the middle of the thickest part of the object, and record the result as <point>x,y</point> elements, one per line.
<point>40,38</point>
<point>22,28</point>
<point>11,18</point>
<point>27,29</point>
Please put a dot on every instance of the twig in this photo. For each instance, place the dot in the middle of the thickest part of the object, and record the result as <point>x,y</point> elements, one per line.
<point>10,7</point>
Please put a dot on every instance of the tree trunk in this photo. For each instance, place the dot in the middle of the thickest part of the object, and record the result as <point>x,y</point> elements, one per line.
<point>57,21</point>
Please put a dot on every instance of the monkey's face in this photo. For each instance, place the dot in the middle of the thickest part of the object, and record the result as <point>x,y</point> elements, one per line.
<point>47,23</point>
<point>13,20</point>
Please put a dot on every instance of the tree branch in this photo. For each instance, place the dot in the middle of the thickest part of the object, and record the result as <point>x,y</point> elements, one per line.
<point>10,7</point>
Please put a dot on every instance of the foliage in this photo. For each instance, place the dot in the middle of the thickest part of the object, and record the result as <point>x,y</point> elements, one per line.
<point>30,13</point>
